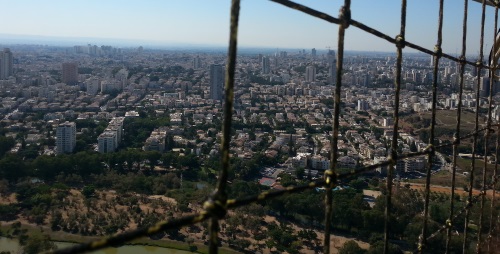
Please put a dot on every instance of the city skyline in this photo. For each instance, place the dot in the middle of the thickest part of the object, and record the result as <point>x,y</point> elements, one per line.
<point>262,23</point>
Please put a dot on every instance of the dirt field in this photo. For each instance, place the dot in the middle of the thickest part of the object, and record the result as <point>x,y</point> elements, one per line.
<point>448,119</point>
<point>447,190</point>
<point>91,217</point>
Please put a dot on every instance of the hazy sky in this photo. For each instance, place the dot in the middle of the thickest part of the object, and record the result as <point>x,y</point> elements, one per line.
<point>262,23</point>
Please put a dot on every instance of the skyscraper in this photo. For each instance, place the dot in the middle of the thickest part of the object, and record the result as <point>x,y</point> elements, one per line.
<point>216,81</point>
<point>70,73</point>
<point>276,63</point>
<point>332,66</point>
<point>65,137</point>
<point>6,62</point>
<point>362,105</point>
<point>310,73</point>
<point>266,67</point>
<point>313,53</point>
<point>197,63</point>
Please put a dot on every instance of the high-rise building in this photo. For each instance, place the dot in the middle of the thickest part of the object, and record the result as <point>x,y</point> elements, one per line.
<point>310,74</point>
<point>93,85</point>
<point>109,140</point>
<point>484,87</point>
<point>313,53</point>
<point>276,62</point>
<point>266,66</point>
<point>65,137</point>
<point>6,63</point>
<point>70,73</point>
<point>362,105</point>
<point>216,81</point>
<point>332,66</point>
<point>197,63</point>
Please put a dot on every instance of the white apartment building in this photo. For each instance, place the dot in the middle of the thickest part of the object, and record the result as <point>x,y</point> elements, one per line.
<point>109,140</point>
<point>65,137</point>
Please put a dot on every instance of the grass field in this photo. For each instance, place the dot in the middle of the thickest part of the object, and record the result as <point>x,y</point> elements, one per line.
<point>60,236</point>
<point>443,177</point>
<point>448,119</point>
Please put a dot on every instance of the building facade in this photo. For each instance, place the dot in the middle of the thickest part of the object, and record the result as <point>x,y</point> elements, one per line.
<point>6,63</point>
<point>65,137</point>
<point>266,66</point>
<point>197,63</point>
<point>216,81</point>
<point>109,140</point>
<point>310,74</point>
<point>332,66</point>
<point>70,73</point>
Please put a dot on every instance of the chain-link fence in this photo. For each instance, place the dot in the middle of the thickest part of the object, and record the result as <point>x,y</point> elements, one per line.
<point>217,206</point>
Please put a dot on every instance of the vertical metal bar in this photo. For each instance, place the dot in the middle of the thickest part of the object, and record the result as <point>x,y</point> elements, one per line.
<point>456,141</point>
<point>487,134</point>
<point>400,43</point>
<point>494,179</point>
<point>476,128</point>
<point>462,69</point>
<point>220,195</point>
<point>345,16</point>
<point>431,141</point>
<point>493,65</point>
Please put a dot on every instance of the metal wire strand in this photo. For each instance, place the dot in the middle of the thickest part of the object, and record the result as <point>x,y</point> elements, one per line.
<point>492,71</point>
<point>220,196</point>
<point>455,144</point>
<point>436,56</point>
<point>215,208</point>
<point>476,132</point>
<point>365,28</point>
<point>467,207</point>
<point>330,175</point>
<point>400,43</point>
<point>492,208</point>
<point>134,234</point>
<point>462,70</point>
<point>488,123</point>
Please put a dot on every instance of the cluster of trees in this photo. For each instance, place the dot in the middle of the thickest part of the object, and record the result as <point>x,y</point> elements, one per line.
<point>31,243</point>
<point>260,80</point>
<point>138,130</point>
<point>84,164</point>
<point>6,143</point>
<point>96,217</point>
<point>353,215</point>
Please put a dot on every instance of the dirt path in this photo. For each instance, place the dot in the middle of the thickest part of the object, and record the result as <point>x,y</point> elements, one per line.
<point>447,190</point>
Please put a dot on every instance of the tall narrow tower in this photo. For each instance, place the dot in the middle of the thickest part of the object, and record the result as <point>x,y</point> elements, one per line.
<point>70,73</point>
<point>216,81</point>
<point>266,66</point>
<point>310,73</point>
<point>66,137</point>
<point>332,67</point>
<point>6,63</point>
<point>197,63</point>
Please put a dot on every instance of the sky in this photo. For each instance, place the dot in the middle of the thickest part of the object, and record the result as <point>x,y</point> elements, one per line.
<point>262,23</point>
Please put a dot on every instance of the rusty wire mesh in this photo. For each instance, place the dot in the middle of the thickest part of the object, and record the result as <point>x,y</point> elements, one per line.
<point>216,207</point>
